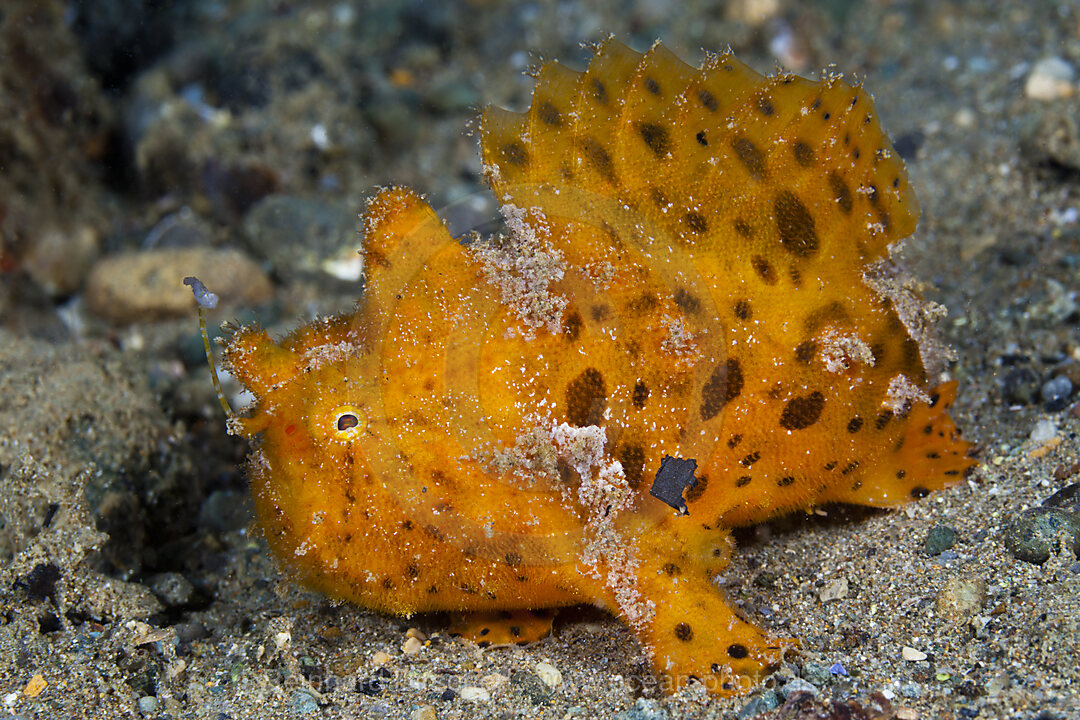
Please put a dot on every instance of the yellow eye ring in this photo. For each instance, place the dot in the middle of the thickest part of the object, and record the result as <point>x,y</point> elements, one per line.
<point>347,421</point>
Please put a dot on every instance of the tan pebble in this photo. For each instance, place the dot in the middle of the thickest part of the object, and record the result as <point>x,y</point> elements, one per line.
<point>961,599</point>
<point>997,684</point>
<point>912,655</point>
<point>381,658</point>
<point>424,712</point>
<point>906,713</point>
<point>471,693</point>
<point>149,285</point>
<point>753,12</point>
<point>965,118</point>
<point>1051,78</point>
<point>411,646</point>
<point>1046,448</point>
<point>282,639</point>
<point>493,680</point>
<point>834,590</point>
<point>35,686</point>
<point>549,674</point>
<point>174,668</point>
<point>416,633</point>
<point>58,258</point>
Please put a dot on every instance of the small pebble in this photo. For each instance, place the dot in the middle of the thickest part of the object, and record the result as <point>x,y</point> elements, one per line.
<point>797,685</point>
<point>834,590</point>
<point>644,709</point>
<point>471,693</point>
<point>303,703</point>
<point>411,646</point>
<point>493,680</point>
<point>36,685</point>
<point>1055,392</point>
<point>997,683</point>
<point>816,674</point>
<point>328,230</point>
<point>172,588</point>
<point>549,674</point>
<point>912,655</point>
<point>532,687</point>
<point>1020,386</point>
<point>960,599</point>
<point>381,658</point>
<point>148,704</point>
<point>939,539</point>
<point>424,712</point>
<point>838,669</point>
<point>911,690</point>
<point>1030,537</point>
<point>1044,431</point>
<point>764,702</point>
<point>1050,79</point>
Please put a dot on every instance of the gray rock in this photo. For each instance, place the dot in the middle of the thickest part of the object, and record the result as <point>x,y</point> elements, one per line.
<point>939,539</point>
<point>1031,536</point>
<point>453,97</point>
<point>644,709</point>
<point>1054,137</point>
<point>172,588</point>
<point>763,703</point>
<point>532,687</point>
<point>911,690</point>
<point>303,704</point>
<point>296,234</point>
<point>816,674</point>
<point>225,510</point>
<point>1020,386</point>
<point>1055,392</point>
<point>1067,498</point>
<point>798,685</point>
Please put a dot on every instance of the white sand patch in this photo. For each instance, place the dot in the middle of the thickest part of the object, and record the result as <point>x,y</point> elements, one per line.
<point>839,351</point>
<point>903,392</point>
<point>523,266</point>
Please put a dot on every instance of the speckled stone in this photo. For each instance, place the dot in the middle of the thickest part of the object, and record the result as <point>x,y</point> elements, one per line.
<point>961,598</point>
<point>764,702</point>
<point>1030,537</point>
<point>532,687</point>
<point>644,709</point>
<point>172,588</point>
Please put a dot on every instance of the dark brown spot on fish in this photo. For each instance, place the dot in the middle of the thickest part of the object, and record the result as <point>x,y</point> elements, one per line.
<point>586,398</point>
<point>750,156</point>
<point>802,412</point>
<point>656,137</point>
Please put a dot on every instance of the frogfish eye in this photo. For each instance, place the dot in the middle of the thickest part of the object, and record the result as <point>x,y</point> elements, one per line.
<point>346,421</point>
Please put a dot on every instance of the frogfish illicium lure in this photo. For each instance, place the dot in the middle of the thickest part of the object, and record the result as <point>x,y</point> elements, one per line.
<point>690,325</point>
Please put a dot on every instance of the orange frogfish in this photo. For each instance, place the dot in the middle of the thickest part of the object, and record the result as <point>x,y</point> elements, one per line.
<point>691,324</point>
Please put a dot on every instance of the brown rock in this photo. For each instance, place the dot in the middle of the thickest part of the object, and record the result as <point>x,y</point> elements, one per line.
<point>149,285</point>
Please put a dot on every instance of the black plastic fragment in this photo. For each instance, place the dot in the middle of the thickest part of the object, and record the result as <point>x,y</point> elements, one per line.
<point>674,478</point>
